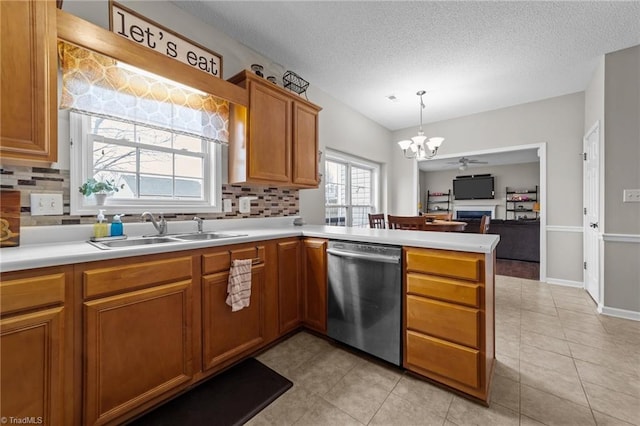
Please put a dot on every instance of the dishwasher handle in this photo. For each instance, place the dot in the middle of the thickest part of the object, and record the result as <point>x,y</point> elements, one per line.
<point>365,256</point>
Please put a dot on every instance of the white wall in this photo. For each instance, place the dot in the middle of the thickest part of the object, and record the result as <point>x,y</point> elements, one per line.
<point>622,171</point>
<point>341,128</point>
<point>558,122</point>
<point>519,176</point>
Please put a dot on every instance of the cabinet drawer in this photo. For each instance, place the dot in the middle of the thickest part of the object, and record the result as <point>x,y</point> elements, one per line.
<point>221,261</point>
<point>451,322</point>
<point>116,279</point>
<point>465,266</point>
<point>27,293</point>
<point>447,359</point>
<point>444,289</point>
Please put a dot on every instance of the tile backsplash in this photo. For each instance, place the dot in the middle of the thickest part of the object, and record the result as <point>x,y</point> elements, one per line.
<point>270,202</point>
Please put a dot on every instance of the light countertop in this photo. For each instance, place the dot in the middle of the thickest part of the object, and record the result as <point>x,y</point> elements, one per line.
<point>60,245</point>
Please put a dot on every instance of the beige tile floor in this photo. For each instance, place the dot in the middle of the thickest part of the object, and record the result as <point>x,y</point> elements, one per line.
<point>558,363</point>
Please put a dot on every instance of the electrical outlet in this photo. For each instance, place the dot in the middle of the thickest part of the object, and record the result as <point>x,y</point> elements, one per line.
<point>226,205</point>
<point>631,196</point>
<point>244,205</point>
<point>46,204</point>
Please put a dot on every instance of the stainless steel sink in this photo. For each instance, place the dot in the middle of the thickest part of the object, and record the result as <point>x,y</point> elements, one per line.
<point>206,236</point>
<point>132,242</point>
<point>175,238</point>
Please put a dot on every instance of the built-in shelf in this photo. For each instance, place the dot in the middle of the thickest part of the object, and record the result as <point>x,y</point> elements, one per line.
<point>521,203</point>
<point>438,202</point>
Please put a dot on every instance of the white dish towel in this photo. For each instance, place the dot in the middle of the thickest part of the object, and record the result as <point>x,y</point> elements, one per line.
<point>239,285</point>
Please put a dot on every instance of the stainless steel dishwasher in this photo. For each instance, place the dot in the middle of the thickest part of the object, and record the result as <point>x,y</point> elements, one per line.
<point>365,297</point>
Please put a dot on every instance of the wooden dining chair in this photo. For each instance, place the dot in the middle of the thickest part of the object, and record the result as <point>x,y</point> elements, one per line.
<point>484,224</point>
<point>407,222</point>
<point>376,220</point>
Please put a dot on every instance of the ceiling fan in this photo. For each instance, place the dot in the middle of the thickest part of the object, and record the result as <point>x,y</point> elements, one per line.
<point>463,162</point>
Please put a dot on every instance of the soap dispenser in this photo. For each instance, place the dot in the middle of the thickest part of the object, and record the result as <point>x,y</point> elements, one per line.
<point>100,229</point>
<point>116,225</point>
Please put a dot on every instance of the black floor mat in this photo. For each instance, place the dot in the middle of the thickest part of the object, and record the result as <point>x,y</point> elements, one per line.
<point>230,398</point>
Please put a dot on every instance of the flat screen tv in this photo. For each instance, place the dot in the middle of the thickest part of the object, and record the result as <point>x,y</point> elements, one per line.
<point>473,188</point>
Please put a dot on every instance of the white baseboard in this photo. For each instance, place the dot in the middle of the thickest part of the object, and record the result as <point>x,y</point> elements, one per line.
<point>619,313</point>
<point>566,283</point>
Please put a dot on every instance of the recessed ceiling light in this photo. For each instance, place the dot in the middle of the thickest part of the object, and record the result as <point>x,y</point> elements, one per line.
<point>392,98</point>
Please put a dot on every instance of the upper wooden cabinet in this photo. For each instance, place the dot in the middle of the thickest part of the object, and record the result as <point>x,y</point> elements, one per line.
<point>275,140</point>
<point>28,97</point>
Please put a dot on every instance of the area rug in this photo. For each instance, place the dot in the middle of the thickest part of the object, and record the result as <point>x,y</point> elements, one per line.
<point>230,398</point>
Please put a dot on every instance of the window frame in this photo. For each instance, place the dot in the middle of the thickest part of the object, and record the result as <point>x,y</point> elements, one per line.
<point>81,158</point>
<point>350,161</point>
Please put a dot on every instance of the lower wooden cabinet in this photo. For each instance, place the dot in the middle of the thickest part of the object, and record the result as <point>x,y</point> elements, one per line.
<point>35,346</point>
<point>449,318</point>
<point>227,334</point>
<point>137,344</point>
<point>314,283</point>
<point>289,296</point>
<point>32,379</point>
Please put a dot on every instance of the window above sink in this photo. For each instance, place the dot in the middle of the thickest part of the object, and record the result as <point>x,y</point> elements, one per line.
<point>157,139</point>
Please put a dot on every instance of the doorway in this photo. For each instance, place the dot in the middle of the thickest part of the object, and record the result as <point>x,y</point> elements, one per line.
<point>504,156</point>
<point>591,222</point>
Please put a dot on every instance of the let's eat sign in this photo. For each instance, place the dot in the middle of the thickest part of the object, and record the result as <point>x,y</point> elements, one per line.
<point>128,24</point>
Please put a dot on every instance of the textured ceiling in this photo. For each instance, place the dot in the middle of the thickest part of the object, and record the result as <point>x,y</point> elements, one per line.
<point>469,56</point>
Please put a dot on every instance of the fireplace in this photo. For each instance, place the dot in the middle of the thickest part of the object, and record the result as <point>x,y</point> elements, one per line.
<point>474,211</point>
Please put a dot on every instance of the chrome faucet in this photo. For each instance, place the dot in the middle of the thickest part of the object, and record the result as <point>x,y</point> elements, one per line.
<point>161,226</point>
<point>200,221</point>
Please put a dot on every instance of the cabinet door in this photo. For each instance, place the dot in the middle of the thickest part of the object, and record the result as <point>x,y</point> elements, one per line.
<point>228,334</point>
<point>315,284</point>
<point>137,348</point>
<point>289,296</point>
<point>31,380</point>
<point>269,134</point>
<point>305,145</point>
<point>28,116</point>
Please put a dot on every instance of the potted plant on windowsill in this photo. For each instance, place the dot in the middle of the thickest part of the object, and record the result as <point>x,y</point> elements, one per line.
<point>100,188</point>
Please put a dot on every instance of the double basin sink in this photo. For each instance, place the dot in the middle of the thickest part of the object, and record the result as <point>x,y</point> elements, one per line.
<point>157,239</point>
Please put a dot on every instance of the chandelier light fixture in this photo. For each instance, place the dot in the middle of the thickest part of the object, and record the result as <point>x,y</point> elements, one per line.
<point>416,147</point>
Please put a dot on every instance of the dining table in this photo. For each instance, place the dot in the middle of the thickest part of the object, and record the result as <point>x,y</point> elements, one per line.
<point>444,226</point>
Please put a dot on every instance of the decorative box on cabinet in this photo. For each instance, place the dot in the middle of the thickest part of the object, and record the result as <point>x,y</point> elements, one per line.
<point>28,97</point>
<point>449,318</point>
<point>275,140</point>
<point>35,346</point>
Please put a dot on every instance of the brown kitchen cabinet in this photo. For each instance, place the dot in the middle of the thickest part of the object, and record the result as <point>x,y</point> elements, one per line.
<point>28,94</point>
<point>35,345</point>
<point>136,334</point>
<point>289,295</point>
<point>228,336</point>
<point>314,282</point>
<point>275,140</point>
<point>449,318</point>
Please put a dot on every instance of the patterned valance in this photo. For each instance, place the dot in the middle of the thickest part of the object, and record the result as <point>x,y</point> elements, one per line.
<point>99,85</point>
